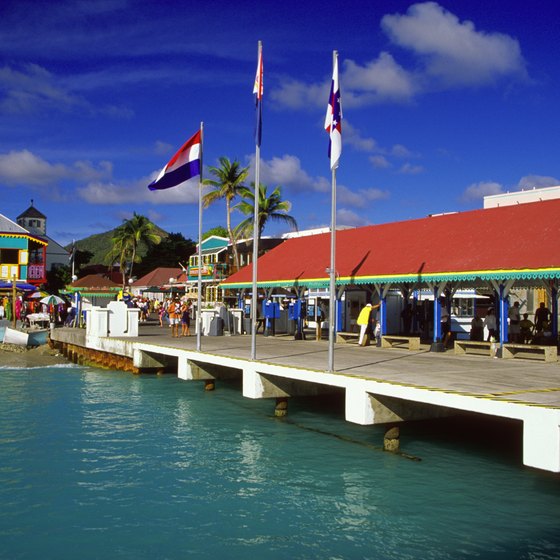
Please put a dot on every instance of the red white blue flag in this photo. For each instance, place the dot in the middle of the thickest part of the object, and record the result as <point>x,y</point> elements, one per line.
<point>333,120</point>
<point>184,165</point>
<point>258,92</point>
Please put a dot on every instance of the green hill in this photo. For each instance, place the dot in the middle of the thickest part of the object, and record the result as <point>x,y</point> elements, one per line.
<point>100,244</point>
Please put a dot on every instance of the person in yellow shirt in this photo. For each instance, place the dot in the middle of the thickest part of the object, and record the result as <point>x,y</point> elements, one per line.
<point>364,321</point>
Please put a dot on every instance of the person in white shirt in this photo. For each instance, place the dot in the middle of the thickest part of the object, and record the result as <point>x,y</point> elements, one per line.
<point>491,324</point>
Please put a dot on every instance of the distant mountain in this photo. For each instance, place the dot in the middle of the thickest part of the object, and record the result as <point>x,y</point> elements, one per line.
<point>100,244</point>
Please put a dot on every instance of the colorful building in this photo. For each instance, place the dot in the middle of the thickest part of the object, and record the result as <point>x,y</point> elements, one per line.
<point>35,222</point>
<point>214,268</point>
<point>22,255</point>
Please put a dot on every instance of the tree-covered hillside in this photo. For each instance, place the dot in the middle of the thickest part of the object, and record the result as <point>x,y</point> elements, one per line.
<point>100,244</point>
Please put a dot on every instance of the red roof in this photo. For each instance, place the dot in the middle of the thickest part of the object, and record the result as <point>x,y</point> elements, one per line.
<point>158,277</point>
<point>96,281</point>
<point>509,238</point>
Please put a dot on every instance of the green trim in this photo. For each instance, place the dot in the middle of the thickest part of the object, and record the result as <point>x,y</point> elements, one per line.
<point>500,275</point>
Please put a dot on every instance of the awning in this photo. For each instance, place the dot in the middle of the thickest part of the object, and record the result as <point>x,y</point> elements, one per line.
<point>20,286</point>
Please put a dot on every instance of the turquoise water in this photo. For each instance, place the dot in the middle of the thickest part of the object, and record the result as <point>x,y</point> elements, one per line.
<point>100,464</point>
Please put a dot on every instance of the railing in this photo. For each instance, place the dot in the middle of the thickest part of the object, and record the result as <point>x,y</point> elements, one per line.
<point>35,272</point>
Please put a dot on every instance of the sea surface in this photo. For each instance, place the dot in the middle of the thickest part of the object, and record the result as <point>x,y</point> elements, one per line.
<point>104,464</point>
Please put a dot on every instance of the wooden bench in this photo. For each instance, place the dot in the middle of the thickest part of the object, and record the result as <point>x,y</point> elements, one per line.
<point>394,341</point>
<point>548,353</point>
<point>474,346</point>
<point>344,337</point>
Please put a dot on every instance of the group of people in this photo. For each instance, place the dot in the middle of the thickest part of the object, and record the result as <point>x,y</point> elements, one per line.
<point>178,312</point>
<point>520,330</point>
<point>24,307</point>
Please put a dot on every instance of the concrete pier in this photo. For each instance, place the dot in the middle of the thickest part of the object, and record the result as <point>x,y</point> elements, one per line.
<point>381,386</point>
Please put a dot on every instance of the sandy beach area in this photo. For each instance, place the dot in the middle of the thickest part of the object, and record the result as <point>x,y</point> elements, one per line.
<point>19,356</point>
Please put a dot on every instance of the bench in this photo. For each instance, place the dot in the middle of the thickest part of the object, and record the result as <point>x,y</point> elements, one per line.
<point>344,337</point>
<point>474,346</point>
<point>394,341</point>
<point>548,353</point>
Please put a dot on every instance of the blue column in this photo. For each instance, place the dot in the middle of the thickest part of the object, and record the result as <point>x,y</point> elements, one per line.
<point>415,311</point>
<point>437,316</point>
<point>554,297</point>
<point>383,314</point>
<point>504,306</point>
<point>338,315</point>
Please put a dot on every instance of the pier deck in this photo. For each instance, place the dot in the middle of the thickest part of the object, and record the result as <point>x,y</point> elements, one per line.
<point>382,385</point>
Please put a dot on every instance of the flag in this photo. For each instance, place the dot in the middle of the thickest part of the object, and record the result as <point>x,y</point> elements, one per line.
<point>333,120</point>
<point>184,165</point>
<point>258,91</point>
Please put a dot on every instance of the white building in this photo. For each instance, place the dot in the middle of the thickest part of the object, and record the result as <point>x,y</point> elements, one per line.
<point>520,197</point>
<point>35,222</point>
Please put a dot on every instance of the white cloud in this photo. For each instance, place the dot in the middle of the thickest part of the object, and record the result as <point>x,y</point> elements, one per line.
<point>379,162</point>
<point>163,148</point>
<point>346,217</point>
<point>360,197</point>
<point>354,138</point>
<point>108,193</point>
<point>449,53</point>
<point>477,191</point>
<point>380,158</point>
<point>33,88</point>
<point>295,94</point>
<point>536,182</point>
<point>454,51</point>
<point>400,151</point>
<point>23,168</point>
<point>409,169</point>
<point>378,80</point>
<point>286,171</point>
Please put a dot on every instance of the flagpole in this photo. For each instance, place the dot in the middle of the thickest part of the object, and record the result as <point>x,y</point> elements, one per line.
<point>73,257</point>
<point>332,270</point>
<point>199,288</point>
<point>254,298</point>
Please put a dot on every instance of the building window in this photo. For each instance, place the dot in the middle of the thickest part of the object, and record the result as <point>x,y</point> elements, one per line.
<point>23,257</point>
<point>9,256</point>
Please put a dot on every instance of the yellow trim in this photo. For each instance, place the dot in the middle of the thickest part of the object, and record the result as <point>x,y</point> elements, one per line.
<point>405,276</point>
<point>21,235</point>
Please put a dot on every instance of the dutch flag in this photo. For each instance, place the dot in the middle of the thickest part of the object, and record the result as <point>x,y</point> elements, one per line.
<point>184,165</point>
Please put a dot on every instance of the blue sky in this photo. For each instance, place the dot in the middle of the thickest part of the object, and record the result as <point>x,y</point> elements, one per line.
<point>443,103</point>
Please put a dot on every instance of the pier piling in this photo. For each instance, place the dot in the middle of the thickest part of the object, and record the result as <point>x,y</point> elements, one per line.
<point>391,440</point>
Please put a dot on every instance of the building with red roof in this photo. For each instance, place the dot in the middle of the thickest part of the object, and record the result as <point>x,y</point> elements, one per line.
<point>98,289</point>
<point>514,242</point>
<point>495,248</point>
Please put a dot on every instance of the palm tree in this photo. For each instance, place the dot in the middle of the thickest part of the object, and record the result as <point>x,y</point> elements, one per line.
<point>126,240</point>
<point>271,207</point>
<point>120,252</point>
<point>228,184</point>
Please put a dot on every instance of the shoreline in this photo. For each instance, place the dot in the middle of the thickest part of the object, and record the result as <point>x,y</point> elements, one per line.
<point>12,355</point>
